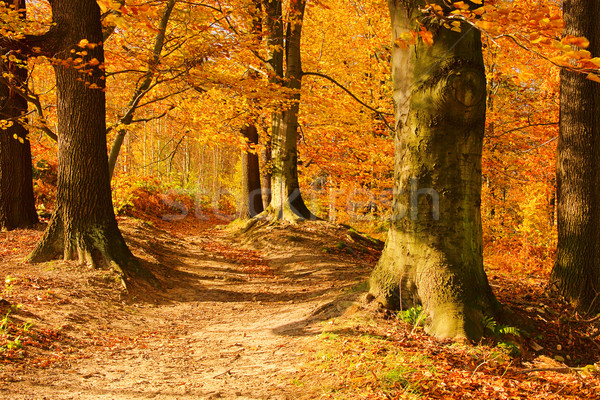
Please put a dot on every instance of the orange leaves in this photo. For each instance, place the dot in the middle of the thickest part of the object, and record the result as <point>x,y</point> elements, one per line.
<point>410,38</point>
<point>426,36</point>
<point>575,41</point>
<point>593,77</point>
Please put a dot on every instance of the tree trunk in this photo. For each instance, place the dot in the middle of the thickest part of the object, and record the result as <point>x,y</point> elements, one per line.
<point>286,200</point>
<point>265,173</point>
<point>251,190</point>
<point>83,226</point>
<point>576,272</point>
<point>433,254</point>
<point>17,202</point>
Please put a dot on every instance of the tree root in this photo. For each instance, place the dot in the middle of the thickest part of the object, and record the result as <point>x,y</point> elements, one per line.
<point>98,247</point>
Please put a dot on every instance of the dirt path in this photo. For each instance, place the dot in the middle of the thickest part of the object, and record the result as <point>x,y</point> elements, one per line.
<point>234,318</point>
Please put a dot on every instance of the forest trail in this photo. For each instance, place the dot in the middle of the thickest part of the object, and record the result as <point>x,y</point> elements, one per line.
<point>234,318</point>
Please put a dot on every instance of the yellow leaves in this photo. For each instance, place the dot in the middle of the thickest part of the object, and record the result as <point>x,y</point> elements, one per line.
<point>406,39</point>
<point>595,61</point>
<point>410,38</point>
<point>485,25</point>
<point>578,41</point>
<point>4,124</point>
<point>536,38</point>
<point>525,76</point>
<point>85,44</point>
<point>117,20</point>
<point>569,54</point>
<point>560,60</point>
<point>593,77</point>
<point>579,54</point>
<point>479,11</point>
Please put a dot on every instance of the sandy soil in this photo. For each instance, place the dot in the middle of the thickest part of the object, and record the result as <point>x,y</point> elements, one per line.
<point>233,318</point>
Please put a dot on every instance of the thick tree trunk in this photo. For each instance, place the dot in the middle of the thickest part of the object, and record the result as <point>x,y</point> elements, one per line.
<point>576,272</point>
<point>251,190</point>
<point>83,226</point>
<point>17,202</point>
<point>286,199</point>
<point>433,254</point>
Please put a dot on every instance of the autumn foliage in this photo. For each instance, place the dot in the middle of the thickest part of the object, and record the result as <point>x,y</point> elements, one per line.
<point>181,154</point>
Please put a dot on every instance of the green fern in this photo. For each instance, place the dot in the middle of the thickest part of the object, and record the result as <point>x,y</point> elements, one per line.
<point>490,324</point>
<point>413,315</point>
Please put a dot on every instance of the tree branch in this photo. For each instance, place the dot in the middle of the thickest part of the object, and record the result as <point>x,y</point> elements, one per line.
<point>379,113</point>
<point>34,99</point>
<point>144,87</point>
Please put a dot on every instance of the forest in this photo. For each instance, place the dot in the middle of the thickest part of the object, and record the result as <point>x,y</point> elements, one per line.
<point>333,199</point>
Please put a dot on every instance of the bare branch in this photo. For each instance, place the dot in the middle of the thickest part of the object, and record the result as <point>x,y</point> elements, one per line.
<point>379,113</point>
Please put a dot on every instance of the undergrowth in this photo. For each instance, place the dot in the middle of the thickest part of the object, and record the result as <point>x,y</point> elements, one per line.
<point>393,358</point>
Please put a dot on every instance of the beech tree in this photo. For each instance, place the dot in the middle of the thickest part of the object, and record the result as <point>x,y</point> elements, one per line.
<point>576,272</point>
<point>17,202</point>
<point>433,253</point>
<point>286,199</point>
<point>83,226</point>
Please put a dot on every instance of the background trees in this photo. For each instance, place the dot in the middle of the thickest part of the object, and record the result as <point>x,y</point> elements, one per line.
<point>217,67</point>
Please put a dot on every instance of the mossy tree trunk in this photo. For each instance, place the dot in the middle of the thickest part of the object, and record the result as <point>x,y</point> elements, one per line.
<point>433,253</point>
<point>83,226</point>
<point>576,271</point>
<point>17,201</point>
<point>286,199</point>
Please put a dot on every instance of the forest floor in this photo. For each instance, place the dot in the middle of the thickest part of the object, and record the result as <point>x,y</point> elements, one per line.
<point>277,312</point>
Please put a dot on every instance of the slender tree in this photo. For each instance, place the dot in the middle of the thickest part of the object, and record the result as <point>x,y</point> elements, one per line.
<point>83,226</point>
<point>576,272</point>
<point>433,253</point>
<point>145,83</point>
<point>17,202</point>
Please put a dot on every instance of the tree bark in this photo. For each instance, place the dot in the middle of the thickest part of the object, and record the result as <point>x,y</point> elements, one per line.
<point>286,199</point>
<point>433,254</point>
<point>251,190</point>
<point>576,272</point>
<point>83,226</point>
<point>17,201</point>
<point>265,173</point>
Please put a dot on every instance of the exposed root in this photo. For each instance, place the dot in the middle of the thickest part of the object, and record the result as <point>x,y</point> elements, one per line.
<point>99,247</point>
<point>51,245</point>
